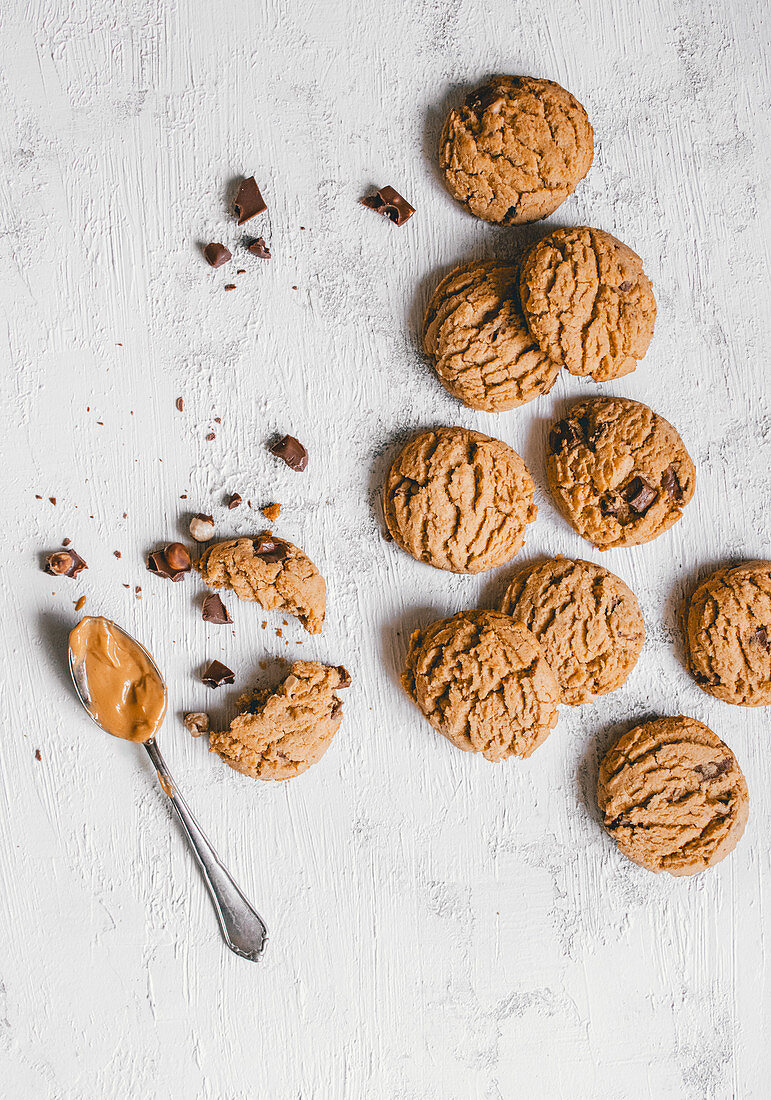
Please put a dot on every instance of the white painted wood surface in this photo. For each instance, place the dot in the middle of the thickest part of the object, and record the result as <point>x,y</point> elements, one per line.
<point>441,928</point>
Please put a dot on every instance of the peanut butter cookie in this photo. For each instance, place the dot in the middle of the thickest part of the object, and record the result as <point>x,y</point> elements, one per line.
<point>481,680</point>
<point>588,302</point>
<point>673,796</point>
<point>274,573</point>
<point>516,149</point>
<point>280,733</point>
<point>587,622</point>
<point>619,472</point>
<point>728,634</point>
<point>475,334</point>
<point>459,500</point>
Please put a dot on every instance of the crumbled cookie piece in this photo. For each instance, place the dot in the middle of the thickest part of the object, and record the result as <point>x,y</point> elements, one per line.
<point>271,512</point>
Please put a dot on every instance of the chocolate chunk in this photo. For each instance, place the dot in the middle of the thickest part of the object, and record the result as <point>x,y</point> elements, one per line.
<point>249,201</point>
<point>760,637</point>
<point>625,286</point>
<point>566,434</point>
<point>38,754</point>
<point>217,674</point>
<point>611,504</point>
<point>260,249</point>
<point>291,451</point>
<point>66,542</point>
<point>230,286</point>
<point>234,500</point>
<point>217,255</point>
<point>482,98</point>
<point>270,549</point>
<point>390,204</point>
<point>345,677</point>
<point>179,403</point>
<point>671,484</point>
<point>337,708</point>
<point>214,610</point>
<point>171,561</point>
<point>197,723</point>
<point>65,563</point>
<point>713,769</point>
<point>639,495</point>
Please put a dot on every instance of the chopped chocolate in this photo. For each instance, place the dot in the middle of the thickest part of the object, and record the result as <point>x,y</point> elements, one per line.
<point>670,483</point>
<point>639,495</point>
<point>171,561</point>
<point>52,499</point>
<point>760,637</point>
<point>66,542</point>
<point>271,512</point>
<point>269,548</point>
<point>179,403</point>
<point>234,500</point>
<point>230,286</point>
<point>345,676</point>
<point>566,434</point>
<point>713,769</point>
<point>116,553</point>
<point>291,451</point>
<point>625,286</point>
<point>197,723</point>
<point>217,255</point>
<point>214,610</point>
<point>248,201</point>
<point>390,204</point>
<point>38,754</point>
<point>202,527</point>
<point>241,271</point>
<point>217,674</point>
<point>260,249</point>
<point>482,98</point>
<point>65,563</point>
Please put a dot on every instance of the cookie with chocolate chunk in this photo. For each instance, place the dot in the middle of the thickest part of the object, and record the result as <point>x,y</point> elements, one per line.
<point>619,472</point>
<point>673,796</point>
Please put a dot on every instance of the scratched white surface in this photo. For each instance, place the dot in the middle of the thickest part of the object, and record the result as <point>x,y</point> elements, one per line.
<point>442,928</point>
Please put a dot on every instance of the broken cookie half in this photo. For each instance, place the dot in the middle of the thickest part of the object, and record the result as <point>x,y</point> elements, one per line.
<point>281,732</point>
<point>276,574</point>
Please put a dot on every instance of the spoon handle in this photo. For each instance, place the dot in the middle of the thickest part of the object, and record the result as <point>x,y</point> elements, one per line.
<point>242,927</point>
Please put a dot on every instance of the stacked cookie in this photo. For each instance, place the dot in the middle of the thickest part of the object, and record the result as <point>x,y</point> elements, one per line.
<point>671,793</point>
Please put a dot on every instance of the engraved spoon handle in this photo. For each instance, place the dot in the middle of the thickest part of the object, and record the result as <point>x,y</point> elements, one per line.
<point>242,926</point>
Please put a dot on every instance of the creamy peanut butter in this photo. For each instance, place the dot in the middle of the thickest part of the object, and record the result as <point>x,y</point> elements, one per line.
<point>126,694</point>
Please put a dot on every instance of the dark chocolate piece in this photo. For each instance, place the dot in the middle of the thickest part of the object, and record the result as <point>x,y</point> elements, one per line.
<point>65,563</point>
<point>291,451</point>
<point>214,610</point>
<point>66,542</point>
<point>639,495</point>
<point>260,249</point>
<point>345,677</point>
<point>249,201</point>
<point>171,561</point>
<point>217,674</point>
<point>760,637</point>
<point>390,204</point>
<point>712,770</point>
<point>625,286</point>
<point>234,500</point>
<point>270,549</point>
<point>217,255</point>
<point>230,286</point>
<point>38,754</point>
<point>482,98</point>
<point>566,434</point>
<point>670,483</point>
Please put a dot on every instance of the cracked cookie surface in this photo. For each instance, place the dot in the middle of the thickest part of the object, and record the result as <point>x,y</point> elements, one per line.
<point>516,149</point>
<point>673,796</point>
<point>619,472</point>
<point>281,732</point>
<point>274,573</point>
<point>728,634</point>
<point>459,500</point>
<point>481,679</point>
<point>588,302</point>
<point>477,339</point>
<point>587,622</point>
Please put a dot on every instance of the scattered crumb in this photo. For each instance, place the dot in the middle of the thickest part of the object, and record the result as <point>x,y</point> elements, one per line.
<point>264,625</point>
<point>279,632</point>
<point>66,542</point>
<point>80,604</point>
<point>38,754</point>
<point>52,499</point>
<point>180,404</point>
<point>116,553</point>
<point>241,271</point>
<point>230,286</point>
<point>271,512</point>
<point>210,437</point>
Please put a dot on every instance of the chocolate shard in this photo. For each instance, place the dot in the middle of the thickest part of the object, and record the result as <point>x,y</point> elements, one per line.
<point>291,451</point>
<point>65,563</point>
<point>482,98</point>
<point>345,677</point>
<point>249,201</point>
<point>270,549</point>
<point>565,435</point>
<point>217,674</point>
<point>760,637</point>
<point>625,286</point>
<point>670,483</point>
<point>216,254</point>
<point>260,249</point>
<point>639,495</point>
<point>214,610</point>
<point>234,500</point>
<point>171,561</point>
<point>390,204</point>
<point>713,768</point>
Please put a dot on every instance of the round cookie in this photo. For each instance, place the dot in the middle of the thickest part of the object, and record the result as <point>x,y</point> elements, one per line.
<point>475,335</point>
<point>587,622</point>
<point>516,149</point>
<point>481,680</point>
<point>619,472</point>
<point>673,796</point>
<point>459,500</point>
<point>728,634</point>
<point>588,302</point>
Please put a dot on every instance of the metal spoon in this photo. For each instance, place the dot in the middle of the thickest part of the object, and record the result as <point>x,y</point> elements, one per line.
<point>242,927</point>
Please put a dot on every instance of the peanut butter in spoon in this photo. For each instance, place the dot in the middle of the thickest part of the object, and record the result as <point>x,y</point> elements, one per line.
<point>126,695</point>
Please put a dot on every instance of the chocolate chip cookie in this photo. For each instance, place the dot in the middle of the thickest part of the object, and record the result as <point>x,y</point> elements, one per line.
<point>481,679</point>
<point>459,500</point>
<point>274,573</point>
<point>516,149</point>
<point>728,634</point>
<point>673,796</point>
<point>587,622</point>
<point>619,472</point>
<point>475,335</point>
<point>588,302</point>
<point>280,733</point>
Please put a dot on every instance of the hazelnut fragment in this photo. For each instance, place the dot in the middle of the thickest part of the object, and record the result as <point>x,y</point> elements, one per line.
<point>197,723</point>
<point>202,527</point>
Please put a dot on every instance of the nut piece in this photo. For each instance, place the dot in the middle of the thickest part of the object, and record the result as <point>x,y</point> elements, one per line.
<point>171,561</point>
<point>65,563</point>
<point>202,527</point>
<point>197,723</point>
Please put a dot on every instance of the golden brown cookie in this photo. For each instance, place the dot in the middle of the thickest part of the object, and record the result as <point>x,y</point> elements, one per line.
<point>728,634</point>
<point>481,679</point>
<point>673,796</point>
<point>587,302</point>
<point>516,149</point>
<point>587,622</point>
<point>459,500</point>
<point>476,337</point>
<point>619,472</point>
<point>280,733</point>
<point>271,571</point>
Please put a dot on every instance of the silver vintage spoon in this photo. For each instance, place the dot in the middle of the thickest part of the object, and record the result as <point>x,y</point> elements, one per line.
<point>119,695</point>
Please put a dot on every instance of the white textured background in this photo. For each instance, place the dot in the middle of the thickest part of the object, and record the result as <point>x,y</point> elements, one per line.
<point>442,928</point>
